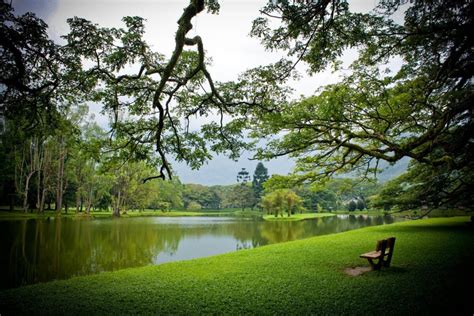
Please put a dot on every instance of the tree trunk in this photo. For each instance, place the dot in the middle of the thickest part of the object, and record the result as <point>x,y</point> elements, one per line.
<point>25,194</point>
<point>60,179</point>
<point>43,197</point>
<point>45,169</point>
<point>116,211</point>
<point>28,163</point>
<point>38,191</point>
<point>89,201</point>
<point>78,202</point>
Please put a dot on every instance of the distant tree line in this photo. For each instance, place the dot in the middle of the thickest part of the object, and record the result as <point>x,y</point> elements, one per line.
<point>67,169</point>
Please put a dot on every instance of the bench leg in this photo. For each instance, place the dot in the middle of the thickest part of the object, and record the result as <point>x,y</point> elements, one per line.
<point>386,262</point>
<point>375,266</point>
<point>379,264</point>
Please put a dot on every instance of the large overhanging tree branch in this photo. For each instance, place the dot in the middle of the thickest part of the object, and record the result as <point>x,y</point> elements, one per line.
<point>185,26</point>
<point>319,32</point>
<point>152,108</point>
<point>423,111</point>
<point>345,127</point>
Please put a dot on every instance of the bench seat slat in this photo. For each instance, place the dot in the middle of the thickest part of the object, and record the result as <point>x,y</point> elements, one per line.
<point>371,255</point>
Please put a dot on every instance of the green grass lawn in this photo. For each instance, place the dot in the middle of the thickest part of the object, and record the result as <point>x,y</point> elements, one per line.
<point>296,217</point>
<point>431,273</point>
<point>407,213</point>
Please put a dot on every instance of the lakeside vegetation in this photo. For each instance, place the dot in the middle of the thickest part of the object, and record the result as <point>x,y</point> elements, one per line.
<point>230,212</point>
<point>19,214</point>
<point>430,268</point>
<point>297,217</point>
<point>6,215</point>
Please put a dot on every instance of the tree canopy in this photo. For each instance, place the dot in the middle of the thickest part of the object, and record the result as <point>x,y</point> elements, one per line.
<point>422,110</point>
<point>154,101</point>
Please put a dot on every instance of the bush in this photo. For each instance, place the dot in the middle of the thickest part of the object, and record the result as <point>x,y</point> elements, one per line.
<point>193,206</point>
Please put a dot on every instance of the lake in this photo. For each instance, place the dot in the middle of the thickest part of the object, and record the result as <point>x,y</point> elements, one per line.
<point>35,251</point>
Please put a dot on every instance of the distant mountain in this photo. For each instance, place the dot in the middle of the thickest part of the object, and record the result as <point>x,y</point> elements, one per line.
<point>393,171</point>
<point>223,171</point>
<point>387,171</point>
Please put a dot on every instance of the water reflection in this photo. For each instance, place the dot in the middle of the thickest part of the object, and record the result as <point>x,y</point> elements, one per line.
<point>40,250</point>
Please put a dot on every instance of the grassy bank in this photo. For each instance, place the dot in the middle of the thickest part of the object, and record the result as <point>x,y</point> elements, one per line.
<point>7,215</point>
<point>431,272</point>
<point>408,213</point>
<point>296,217</point>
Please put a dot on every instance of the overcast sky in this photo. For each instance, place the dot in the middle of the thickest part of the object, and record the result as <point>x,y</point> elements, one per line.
<point>226,40</point>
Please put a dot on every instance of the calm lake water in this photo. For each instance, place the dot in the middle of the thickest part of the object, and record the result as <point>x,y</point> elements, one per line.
<point>39,250</point>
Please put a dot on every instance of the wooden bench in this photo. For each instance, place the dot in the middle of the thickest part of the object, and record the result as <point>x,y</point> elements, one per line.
<point>383,253</point>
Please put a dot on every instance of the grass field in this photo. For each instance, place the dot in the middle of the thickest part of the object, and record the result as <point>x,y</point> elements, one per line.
<point>408,213</point>
<point>431,273</point>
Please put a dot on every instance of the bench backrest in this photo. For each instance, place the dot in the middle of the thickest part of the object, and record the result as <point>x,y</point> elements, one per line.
<point>390,246</point>
<point>381,246</point>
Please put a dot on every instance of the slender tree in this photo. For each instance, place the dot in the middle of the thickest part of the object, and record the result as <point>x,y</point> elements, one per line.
<point>259,177</point>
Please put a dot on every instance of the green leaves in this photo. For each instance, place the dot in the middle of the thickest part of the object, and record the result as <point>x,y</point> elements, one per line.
<point>32,70</point>
<point>282,200</point>
<point>212,6</point>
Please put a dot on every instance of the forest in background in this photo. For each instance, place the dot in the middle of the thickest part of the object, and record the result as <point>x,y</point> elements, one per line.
<point>66,171</point>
